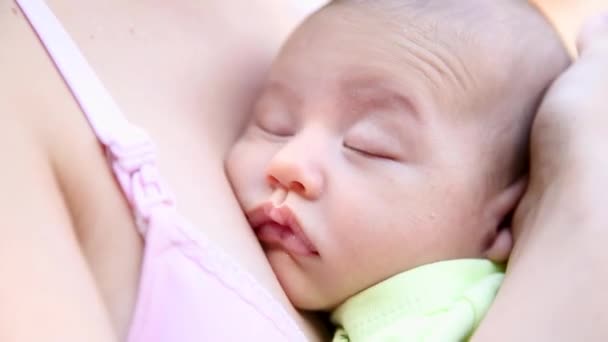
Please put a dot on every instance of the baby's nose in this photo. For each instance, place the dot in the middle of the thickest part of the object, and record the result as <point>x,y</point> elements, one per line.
<point>295,169</point>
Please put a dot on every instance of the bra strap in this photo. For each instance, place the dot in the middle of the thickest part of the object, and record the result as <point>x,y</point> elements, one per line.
<point>131,151</point>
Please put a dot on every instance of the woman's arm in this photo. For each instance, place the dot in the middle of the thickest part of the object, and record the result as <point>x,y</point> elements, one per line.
<point>46,290</point>
<point>555,288</point>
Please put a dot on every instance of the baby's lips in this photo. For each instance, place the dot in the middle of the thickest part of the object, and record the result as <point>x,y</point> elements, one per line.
<point>259,215</point>
<point>267,212</point>
<point>288,218</point>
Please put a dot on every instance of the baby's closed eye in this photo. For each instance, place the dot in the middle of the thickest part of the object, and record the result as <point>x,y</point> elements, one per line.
<point>374,137</point>
<point>274,119</point>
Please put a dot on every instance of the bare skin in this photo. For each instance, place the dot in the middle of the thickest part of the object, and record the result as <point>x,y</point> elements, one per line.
<point>69,253</point>
<point>187,87</point>
<point>559,227</point>
<point>569,16</point>
<point>559,261</point>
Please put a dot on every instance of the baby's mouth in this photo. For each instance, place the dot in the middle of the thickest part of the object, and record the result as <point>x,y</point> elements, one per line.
<point>278,227</point>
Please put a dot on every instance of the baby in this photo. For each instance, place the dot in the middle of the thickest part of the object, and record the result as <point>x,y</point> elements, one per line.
<point>385,157</point>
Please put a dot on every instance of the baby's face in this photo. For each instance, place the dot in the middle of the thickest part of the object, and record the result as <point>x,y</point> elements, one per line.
<point>355,165</point>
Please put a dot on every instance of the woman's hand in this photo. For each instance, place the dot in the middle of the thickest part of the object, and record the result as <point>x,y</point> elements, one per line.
<point>555,288</point>
<point>569,144</point>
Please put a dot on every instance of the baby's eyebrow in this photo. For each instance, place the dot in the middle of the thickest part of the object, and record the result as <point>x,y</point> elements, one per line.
<point>277,88</point>
<point>373,93</point>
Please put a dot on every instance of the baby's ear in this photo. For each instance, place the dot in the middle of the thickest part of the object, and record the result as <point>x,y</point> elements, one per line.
<point>501,208</point>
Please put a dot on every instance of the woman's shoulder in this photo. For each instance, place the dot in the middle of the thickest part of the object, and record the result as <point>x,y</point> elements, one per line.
<point>35,98</point>
<point>30,90</point>
<point>21,62</point>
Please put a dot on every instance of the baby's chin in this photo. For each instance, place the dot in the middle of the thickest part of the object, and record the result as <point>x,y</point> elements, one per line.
<point>304,292</point>
<point>304,299</point>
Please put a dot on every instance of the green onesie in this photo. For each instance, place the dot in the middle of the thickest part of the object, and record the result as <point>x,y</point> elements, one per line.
<point>441,302</point>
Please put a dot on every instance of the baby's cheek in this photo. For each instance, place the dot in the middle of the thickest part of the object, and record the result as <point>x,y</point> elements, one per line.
<point>230,163</point>
<point>236,165</point>
<point>246,169</point>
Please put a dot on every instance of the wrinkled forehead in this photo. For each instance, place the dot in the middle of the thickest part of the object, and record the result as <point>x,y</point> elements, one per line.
<point>456,53</point>
<point>435,50</point>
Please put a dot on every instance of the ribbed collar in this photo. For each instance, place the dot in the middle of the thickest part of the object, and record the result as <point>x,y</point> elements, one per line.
<point>419,291</point>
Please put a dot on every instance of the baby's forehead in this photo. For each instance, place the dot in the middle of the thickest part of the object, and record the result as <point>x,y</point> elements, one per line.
<point>470,44</point>
<point>464,27</point>
<point>424,46</point>
<point>459,23</point>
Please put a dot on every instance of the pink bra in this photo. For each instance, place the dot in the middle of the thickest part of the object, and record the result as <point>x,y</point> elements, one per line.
<point>189,289</point>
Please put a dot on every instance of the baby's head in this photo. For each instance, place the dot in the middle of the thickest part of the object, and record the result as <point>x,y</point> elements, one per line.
<point>392,134</point>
